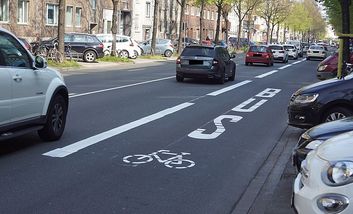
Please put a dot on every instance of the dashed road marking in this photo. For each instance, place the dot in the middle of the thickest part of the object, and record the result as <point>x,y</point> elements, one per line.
<point>283,67</point>
<point>266,74</point>
<point>223,90</point>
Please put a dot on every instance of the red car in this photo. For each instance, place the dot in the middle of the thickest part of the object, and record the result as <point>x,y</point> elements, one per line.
<point>259,54</point>
<point>328,68</point>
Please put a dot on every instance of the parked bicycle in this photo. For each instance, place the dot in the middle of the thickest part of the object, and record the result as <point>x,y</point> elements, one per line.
<point>54,54</point>
<point>175,161</point>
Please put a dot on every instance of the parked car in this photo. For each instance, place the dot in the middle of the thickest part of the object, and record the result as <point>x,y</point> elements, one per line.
<point>85,46</point>
<point>298,45</point>
<point>163,47</point>
<point>259,54</point>
<point>328,68</point>
<point>325,184</point>
<point>279,53</point>
<point>125,45</point>
<point>292,51</point>
<point>315,136</point>
<point>185,42</point>
<point>321,102</point>
<point>212,62</point>
<point>32,96</point>
<point>316,51</point>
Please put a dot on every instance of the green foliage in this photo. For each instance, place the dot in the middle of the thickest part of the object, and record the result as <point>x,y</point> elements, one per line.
<point>65,64</point>
<point>152,57</point>
<point>335,14</point>
<point>113,59</point>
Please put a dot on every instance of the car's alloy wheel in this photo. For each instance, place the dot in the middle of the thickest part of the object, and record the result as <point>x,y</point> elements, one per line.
<point>56,120</point>
<point>89,56</point>
<point>124,54</point>
<point>336,114</point>
<point>168,53</point>
<point>135,55</point>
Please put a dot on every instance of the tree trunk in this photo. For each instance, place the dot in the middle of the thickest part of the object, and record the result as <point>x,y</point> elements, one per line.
<point>166,19</point>
<point>182,11</point>
<point>201,19</point>
<point>219,11</point>
<point>61,28</point>
<point>277,33</point>
<point>114,27</point>
<point>155,27</point>
<point>272,28</point>
<point>226,20</point>
<point>239,33</point>
<point>267,31</point>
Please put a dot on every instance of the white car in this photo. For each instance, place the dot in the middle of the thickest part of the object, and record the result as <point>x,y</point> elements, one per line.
<point>32,96</point>
<point>292,51</point>
<point>325,184</point>
<point>316,51</point>
<point>125,45</point>
<point>279,52</point>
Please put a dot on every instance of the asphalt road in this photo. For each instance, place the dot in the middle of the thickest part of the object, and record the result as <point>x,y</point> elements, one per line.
<point>220,141</point>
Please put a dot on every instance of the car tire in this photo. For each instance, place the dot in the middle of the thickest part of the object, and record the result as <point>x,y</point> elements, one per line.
<point>135,55</point>
<point>106,53</point>
<point>179,78</point>
<point>308,58</point>
<point>55,120</point>
<point>89,56</point>
<point>168,53</point>
<point>124,54</point>
<point>246,64</point>
<point>336,113</point>
<point>232,78</point>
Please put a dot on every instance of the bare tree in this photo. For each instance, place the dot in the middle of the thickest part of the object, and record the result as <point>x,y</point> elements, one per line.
<point>225,12</point>
<point>61,29</point>
<point>243,8</point>
<point>155,25</point>
<point>219,4</point>
<point>114,26</point>
<point>182,4</point>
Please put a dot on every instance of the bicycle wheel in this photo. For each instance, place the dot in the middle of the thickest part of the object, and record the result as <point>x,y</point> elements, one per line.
<point>137,159</point>
<point>179,164</point>
<point>58,57</point>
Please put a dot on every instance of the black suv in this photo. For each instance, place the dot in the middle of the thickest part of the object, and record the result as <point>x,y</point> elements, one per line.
<point>85,46</point>
<point>321,102</point>
<point>198,61</point>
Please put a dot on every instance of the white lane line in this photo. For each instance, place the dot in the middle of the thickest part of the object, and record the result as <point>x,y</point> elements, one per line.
<point>283,67</point>
<point>223,90</point>
<point>266,74</point>
<point>75,147</point>
<point>136,69</point>
<point>303,60</point>
<point>296,62</point>
<point>120,87</point>
<point>71,94</point>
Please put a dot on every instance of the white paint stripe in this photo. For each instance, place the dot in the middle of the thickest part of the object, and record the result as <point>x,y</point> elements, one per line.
<point>297,62</point>
<point>75,147</point>
<point>223,90</point>
<point>266,74</point>
<point>120,87</point>
<point>303,60</point>
<point>71,94</point>
<point>283,67</point>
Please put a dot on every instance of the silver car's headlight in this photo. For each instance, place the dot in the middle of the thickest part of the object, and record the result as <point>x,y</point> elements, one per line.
<point>339,173</point>
<point>306,98</point>
<point>314,144</point>
<point>322,67</point>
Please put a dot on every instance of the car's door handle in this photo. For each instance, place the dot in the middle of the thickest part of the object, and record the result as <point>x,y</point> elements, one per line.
<point>17,78</point>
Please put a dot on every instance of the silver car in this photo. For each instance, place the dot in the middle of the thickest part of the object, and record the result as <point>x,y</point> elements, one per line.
<point>163,47</point>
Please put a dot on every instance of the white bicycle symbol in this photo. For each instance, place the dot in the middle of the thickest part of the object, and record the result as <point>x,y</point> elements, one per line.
<point>176,161</point>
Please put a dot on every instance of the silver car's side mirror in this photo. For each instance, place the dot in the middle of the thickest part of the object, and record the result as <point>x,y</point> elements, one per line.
<point>40,62</point>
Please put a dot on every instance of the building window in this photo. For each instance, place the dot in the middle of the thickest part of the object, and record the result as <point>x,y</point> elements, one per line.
<point>187,9</point>
<point>52,14</point>
<point>68,16</point>
<point>148,9</point>
<point>4,10</point>
<point>22,11</point>
<point>93,4</point>
<point>78,17</point>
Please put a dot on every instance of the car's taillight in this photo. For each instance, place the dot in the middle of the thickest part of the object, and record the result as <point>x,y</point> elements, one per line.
<point>178,61</point>
<point>248,55</point>
<point>215,62</point>
<point>101,45</point>
<point>267,55</point>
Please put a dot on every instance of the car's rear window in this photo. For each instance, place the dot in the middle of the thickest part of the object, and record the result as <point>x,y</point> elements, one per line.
<point>261,49</point>
<point>275,47</point>
<point>288,47</point>
<point>198,51</point>
<point>316,47</point>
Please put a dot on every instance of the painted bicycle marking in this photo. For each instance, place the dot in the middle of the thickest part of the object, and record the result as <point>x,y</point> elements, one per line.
<point>176,160</point>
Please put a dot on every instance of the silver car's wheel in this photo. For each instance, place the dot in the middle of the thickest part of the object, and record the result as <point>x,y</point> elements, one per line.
<point>89,56</point>
<point>168,53</point>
